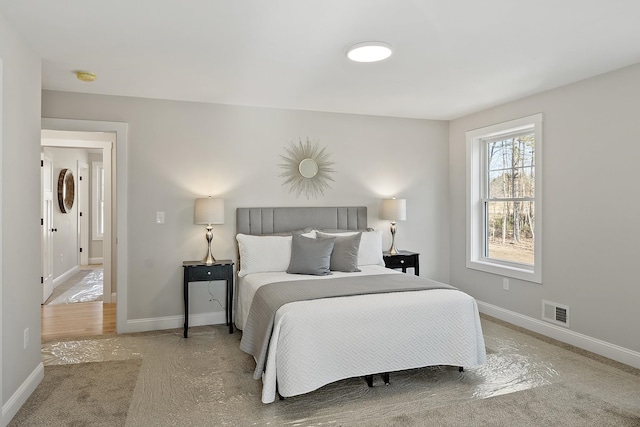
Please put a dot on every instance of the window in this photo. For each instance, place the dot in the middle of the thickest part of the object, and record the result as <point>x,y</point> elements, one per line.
<point>504,200</point>
<point>97,214</point>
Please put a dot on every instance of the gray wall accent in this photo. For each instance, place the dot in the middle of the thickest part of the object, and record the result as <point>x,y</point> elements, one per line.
<point>20,214</point>
<point>591,206</point>
<point>179,151</point>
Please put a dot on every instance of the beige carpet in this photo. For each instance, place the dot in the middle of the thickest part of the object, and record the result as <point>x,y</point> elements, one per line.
<point>205,380</point>
<point>550,405</point>
<point>85,394</point>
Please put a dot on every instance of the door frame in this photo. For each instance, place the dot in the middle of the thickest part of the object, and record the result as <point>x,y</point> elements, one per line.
<point>46,243</point>
<point>83,212</point>
<point>116,216</point>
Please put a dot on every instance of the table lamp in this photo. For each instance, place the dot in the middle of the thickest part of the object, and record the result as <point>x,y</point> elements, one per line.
<point>209,211</point>
<point>394,210</point>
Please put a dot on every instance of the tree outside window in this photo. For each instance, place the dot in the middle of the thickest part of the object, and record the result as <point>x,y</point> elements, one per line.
<point>510,199</point>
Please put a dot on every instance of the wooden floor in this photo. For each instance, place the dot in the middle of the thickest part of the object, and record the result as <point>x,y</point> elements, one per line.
<point>77,320</point>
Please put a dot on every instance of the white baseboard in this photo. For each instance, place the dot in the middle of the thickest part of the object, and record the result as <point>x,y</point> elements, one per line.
<point>603,348</point>
<point>171,322</point>
<point>107,300</point>
<point>64,276</point>
<point>13,405</point>
<point>96,260</point>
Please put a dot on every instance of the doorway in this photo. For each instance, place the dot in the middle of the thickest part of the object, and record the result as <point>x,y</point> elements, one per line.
<point>115,215</point>
<point>66,243</point>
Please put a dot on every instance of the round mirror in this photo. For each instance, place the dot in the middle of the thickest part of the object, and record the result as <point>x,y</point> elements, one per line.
<point>66,190</point>
<point>308,168</point>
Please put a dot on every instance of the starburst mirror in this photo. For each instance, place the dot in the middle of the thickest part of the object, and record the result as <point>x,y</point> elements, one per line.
<point>307,169</point>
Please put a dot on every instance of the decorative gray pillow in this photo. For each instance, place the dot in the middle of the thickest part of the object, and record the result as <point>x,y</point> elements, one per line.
<point>310,256</point>
<point>345,251</point>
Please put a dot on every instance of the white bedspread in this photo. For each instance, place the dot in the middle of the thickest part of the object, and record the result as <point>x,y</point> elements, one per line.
<point>248,285</point>
<point>321,341</point>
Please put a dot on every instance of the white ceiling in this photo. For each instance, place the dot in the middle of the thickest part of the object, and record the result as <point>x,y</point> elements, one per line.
<point>451,57</point>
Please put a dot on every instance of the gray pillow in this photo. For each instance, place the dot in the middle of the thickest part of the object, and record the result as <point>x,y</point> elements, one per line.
<point>345,251</point>
<point>310,256</point>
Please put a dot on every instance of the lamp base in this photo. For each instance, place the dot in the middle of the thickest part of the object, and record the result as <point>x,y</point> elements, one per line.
<point>393,250</point>
<point>209,259</point>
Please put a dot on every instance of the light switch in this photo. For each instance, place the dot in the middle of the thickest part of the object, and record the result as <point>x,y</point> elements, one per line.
<point>159,217</point>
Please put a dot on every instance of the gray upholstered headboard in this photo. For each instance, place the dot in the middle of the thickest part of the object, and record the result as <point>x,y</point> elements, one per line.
<point>278,220</point>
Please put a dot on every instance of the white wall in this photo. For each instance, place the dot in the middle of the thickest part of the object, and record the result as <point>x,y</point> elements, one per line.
<point>20,203</point>
<point>591,207</point>
<point>179,151</point>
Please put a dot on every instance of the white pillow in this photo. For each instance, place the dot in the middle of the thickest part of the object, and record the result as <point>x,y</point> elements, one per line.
<point>370,251</point>
<point>259,254</point>
<point>311,234</point>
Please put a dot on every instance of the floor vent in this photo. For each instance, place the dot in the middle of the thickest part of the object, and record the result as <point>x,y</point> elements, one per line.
<point>555,313</point>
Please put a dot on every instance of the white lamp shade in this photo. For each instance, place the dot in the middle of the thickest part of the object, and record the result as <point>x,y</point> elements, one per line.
<point>394,209</point>
<point>209,211</point>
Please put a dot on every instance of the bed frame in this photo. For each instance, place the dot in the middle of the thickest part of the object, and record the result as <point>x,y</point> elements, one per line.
<point>275,220</point>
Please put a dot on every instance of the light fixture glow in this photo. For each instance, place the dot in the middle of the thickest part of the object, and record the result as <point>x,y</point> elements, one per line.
<point>369,51</point>
<point>85,76</point>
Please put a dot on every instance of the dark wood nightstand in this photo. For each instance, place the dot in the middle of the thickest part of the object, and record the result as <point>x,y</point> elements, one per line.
<point>403,260</point>
<point>198,271</point>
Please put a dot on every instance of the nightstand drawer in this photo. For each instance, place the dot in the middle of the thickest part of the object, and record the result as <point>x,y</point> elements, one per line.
<point>400,261</point>
<point>206,273</point>
<point>403,260</point>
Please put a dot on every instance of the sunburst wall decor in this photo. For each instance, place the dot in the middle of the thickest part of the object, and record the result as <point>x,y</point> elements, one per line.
<point>307,169</point>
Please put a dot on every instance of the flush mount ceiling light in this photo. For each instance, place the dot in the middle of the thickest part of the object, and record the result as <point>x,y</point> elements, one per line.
<point>369,51</point>
<point>85,76</point>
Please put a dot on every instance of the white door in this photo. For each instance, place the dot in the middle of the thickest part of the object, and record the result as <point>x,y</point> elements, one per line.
<point>46,244</point>
<point>83,212</point>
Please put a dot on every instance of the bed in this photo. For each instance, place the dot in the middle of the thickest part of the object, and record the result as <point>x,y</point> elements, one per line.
<point>314,342</point>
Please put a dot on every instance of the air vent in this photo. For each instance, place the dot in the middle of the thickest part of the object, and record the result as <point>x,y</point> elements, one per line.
<point>555,313</point>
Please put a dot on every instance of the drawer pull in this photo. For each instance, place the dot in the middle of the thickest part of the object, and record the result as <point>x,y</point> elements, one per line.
<point>401,261</point>
<point>209,273</point>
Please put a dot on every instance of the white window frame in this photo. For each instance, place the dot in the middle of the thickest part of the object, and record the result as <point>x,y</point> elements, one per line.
<point>97,198</point>
<point>476,183</point>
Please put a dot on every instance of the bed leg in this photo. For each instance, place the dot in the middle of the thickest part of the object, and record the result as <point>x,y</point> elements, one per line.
<point>460,369</point>
<point>385,378</point>
<point>369,379</point>
<point>281,397</point>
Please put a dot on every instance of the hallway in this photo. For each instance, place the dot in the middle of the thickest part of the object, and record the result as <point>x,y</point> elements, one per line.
<point>86,285</point>
<point>77,320</point>
<point>75,309</point>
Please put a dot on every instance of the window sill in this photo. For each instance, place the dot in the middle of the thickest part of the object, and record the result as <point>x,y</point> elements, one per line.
<point>504,270</point>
